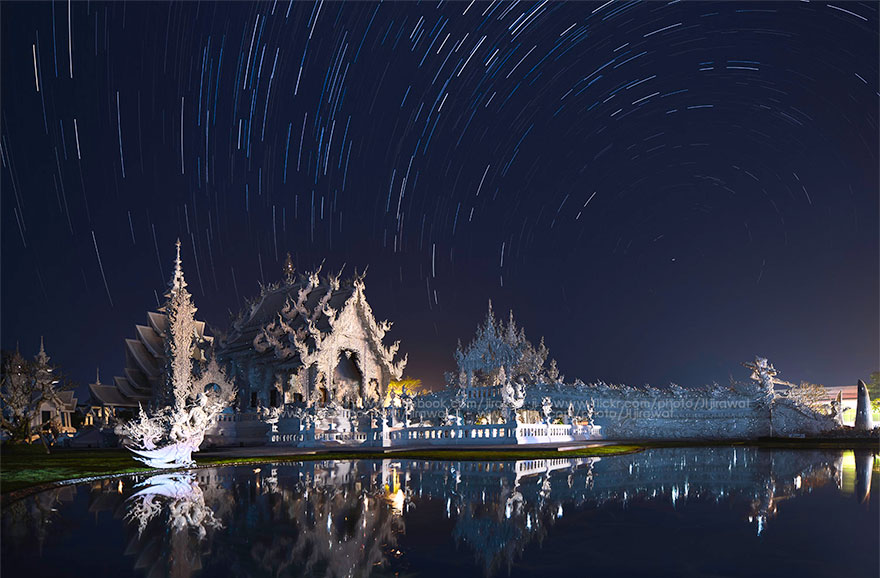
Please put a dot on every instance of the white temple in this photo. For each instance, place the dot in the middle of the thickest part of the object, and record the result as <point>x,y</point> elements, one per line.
<point>311,340</point>
<point>309,362</point>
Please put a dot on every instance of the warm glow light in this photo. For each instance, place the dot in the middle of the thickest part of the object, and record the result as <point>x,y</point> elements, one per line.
<point>848,473</point>
<point>396,501</point>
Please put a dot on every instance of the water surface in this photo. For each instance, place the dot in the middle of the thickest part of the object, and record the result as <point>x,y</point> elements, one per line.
<point>672,511</point>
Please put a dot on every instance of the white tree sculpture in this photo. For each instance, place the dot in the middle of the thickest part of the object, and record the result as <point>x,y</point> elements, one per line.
<point>167,437</point>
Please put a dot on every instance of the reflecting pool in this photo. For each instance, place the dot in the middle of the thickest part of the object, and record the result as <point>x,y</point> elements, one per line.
<point>665,512</point>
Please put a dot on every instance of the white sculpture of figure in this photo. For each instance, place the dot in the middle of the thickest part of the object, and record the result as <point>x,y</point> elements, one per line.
<point>374,412</point>
<point>408,408</point>
<point>836,414</point>
<point>269,415</point>
<point>764,374</point>
<point>168,437</point>
<point>458,401</point>
<point>512,397</point>
<point>507,400</point>
<point>570,414</point>
<point>589,415</point>
<point>307,421</point>
<point>393,407</point>
<point>547,409</point>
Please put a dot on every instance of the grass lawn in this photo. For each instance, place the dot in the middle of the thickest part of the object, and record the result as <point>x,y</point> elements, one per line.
<point>22,467</point>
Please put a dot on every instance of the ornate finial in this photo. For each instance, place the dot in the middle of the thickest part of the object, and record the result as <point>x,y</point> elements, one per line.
<point>177,281</point>
<point>97,376</point>
<point>41,356</point>
<point>490,317</point>
<point>288,269</point>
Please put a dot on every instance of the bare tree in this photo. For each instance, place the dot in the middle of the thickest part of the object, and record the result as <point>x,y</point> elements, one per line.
<point>811,395</point>
<point>25,389</point>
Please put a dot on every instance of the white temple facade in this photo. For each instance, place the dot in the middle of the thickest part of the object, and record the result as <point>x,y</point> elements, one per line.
<point>310,345</point>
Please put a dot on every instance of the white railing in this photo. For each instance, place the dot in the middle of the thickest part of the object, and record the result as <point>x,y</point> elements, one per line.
<point>238,417</point>
<point>448,435</point>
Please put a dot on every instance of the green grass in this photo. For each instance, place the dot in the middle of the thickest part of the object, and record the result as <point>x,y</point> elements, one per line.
<point>23,467</point>
<point>452,455</point>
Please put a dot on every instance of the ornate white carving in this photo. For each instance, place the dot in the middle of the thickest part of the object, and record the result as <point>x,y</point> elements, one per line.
<point>167,437</point>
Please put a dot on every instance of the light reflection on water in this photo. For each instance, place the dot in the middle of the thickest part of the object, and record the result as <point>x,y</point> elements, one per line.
<point>634,514</point>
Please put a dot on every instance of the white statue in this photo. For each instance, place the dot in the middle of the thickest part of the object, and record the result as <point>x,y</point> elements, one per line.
<point>458,401</point>
<point>590,411</point>
<point>270,415</point>
<point>836,413</point>
<point>512,397</point>
<point>764,374</point>
<point>547,409</point>
<point>408,405</point>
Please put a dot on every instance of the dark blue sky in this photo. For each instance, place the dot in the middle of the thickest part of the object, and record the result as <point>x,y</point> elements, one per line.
<point>661,190</point>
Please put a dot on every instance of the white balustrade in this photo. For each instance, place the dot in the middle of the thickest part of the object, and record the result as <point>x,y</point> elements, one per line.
<point>292,433</point>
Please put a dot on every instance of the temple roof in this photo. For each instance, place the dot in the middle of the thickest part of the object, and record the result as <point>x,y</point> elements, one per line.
<point>145,355</point>
<point>275,299</point>
<point>109,395</point>
<point>152,340</point>
<point>67,400</point>
<point>287,324</point>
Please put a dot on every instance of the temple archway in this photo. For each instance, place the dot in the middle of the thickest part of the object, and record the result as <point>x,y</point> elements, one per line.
<point>348,379</point>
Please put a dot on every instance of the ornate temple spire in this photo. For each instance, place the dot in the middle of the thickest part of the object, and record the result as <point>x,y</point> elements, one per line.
<point>42,357</point>
<point>177,282</point>
<point>490,328</point>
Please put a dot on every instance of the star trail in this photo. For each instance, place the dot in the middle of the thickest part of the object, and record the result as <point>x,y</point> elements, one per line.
<point>660,189</point>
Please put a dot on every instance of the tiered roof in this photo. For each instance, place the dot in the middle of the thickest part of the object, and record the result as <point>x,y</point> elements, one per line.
<point>145,357</point>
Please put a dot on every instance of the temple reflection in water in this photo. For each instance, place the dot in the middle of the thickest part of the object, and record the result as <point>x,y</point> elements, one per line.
<point>349,518</point>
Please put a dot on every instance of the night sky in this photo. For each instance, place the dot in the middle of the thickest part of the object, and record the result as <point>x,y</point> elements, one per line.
<point>660,190</point>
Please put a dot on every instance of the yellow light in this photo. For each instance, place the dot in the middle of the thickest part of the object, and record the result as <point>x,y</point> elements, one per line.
<point>396,501</point>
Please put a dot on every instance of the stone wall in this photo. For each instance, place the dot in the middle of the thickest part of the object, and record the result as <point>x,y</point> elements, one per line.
<point>627,413</point>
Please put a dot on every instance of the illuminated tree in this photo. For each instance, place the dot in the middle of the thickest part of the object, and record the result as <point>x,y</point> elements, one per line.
<point>25,388</point>
<point>873,384</point>
<point>810,395</point>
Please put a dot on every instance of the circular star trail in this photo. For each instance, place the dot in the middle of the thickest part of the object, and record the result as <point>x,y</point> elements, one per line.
<point>660,189</point>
